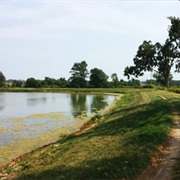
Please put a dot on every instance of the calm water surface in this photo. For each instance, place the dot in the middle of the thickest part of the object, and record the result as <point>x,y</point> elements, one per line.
<point>32,114</point>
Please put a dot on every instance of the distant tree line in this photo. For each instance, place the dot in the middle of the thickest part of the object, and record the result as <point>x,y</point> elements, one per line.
<point>175,83</point>
<point>80,78</point>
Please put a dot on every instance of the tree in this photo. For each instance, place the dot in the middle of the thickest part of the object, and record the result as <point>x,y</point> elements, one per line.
<point>115,80</point>
<point>98,79</point>
<point>2,79</point>
<point>62,82</point>
<point>133,82</point>
<point>79,74</point>
<point>49,82</point>
<point>157,57</point>
<point>33,83</point>
<point>17,83</point>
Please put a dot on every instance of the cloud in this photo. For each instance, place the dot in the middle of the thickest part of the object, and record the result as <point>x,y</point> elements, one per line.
<point>42,19</point>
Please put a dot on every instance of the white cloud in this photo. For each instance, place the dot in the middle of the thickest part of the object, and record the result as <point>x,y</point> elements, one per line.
<point>51,19</point>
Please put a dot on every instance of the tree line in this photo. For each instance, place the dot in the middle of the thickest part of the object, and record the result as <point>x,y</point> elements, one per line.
<point>80,78</point>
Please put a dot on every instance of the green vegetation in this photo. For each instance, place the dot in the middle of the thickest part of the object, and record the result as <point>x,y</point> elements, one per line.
<point>2,79</point>
<point>79,74</point>
<point>174,89</point>
<point>119,144</point>
<point>75,90</point>
<point>98,79</point>
<point>159,58</point>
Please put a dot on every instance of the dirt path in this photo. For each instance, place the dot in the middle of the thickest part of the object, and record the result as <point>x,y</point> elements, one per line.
<point>162,167</point>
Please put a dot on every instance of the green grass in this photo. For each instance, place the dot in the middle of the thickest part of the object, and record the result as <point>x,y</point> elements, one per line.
<point>79,90</point>
<point>175,89</point>
<point>120,145</point>
<point>69,90</point>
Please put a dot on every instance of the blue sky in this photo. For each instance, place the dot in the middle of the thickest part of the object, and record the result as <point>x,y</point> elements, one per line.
<point>45,38</point>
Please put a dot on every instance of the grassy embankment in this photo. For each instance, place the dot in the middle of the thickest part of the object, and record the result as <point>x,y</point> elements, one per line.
<point>119,145</point>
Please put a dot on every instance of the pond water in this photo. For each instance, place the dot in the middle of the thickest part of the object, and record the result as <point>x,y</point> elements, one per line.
<point>30,115</point>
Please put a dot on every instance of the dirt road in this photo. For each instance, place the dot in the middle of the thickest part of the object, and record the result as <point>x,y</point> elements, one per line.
<point>162,167</point>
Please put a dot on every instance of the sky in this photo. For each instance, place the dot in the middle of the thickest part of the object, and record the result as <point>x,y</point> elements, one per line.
<point>44,38</point>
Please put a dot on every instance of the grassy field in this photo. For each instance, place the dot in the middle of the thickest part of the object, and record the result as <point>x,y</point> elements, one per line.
<point>119,144</point>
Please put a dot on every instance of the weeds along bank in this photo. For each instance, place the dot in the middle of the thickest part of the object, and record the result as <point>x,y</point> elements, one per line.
<point>119,144</point>
<point>73,90</point>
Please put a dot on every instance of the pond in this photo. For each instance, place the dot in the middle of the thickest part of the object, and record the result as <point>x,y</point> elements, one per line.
<point>39,118</point>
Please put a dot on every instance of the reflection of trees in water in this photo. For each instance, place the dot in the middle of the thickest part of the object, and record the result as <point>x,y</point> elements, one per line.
<point>35,101</point>
<point>2,101</point>
<point>98,102</point>
<point>1,107</point>
<point>78,104</point>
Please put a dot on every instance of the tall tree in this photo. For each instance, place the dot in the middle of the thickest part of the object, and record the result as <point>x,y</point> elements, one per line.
<point>115,80</point>
<point>98,79</point>
<point>2,79</point>
<point>157,57</point>
<point>79,74</point>
<point>49,82</point>
<point>33,83</point>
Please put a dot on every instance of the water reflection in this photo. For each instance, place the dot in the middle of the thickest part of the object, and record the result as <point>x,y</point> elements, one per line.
<point>35,101</point>
<point>32,114</point>
<point>98,102</point>
<point>2,101</point>
<point>78,104</point>
<point>25,104</point>
<point>83,104</point>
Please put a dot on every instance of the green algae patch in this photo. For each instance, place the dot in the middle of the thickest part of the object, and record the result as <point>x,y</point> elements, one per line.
<point>34,131</point>
<point>19,119</point>
<point>25,144</point>
<point>51,116</point>
<point>3,129</point>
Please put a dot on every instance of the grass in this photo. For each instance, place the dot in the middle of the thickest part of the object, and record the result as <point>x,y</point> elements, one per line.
<point>175,89</point>
<point>120,145</point>
<point>79,90</point>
